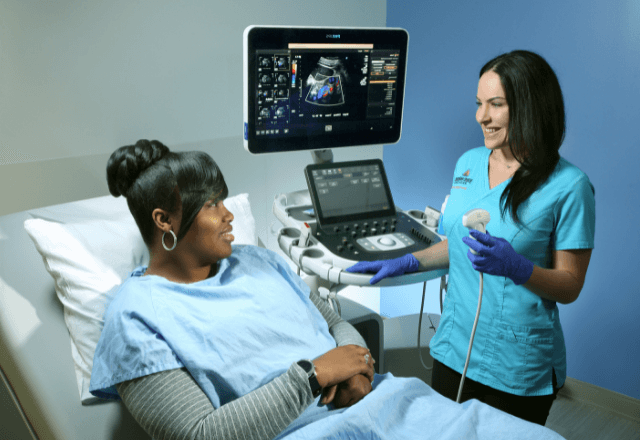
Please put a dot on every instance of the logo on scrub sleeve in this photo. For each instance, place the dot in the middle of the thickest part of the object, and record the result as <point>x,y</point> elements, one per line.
<point>463,180</point>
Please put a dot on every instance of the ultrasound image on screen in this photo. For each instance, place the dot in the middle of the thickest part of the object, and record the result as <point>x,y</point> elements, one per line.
<point>328,88</point>
<point>351,190</point>
<point>326,82</point>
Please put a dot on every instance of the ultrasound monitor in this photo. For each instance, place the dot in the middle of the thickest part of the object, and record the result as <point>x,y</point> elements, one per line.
<point>311,88</point>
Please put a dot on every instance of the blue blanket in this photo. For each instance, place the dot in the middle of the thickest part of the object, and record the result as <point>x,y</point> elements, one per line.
<point>407,408</point>
<point>155,325</point>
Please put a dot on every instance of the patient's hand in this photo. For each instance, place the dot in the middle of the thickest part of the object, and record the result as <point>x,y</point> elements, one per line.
<point>342,363</point>
<point>348,392</point>
<point>351,391</point>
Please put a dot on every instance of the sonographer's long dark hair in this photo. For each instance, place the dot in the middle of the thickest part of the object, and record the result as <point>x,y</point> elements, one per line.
<point>150,176</point>
<point>536,122</point>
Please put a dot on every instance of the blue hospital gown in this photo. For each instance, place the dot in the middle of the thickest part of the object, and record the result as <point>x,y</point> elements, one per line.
<point>230,331</point>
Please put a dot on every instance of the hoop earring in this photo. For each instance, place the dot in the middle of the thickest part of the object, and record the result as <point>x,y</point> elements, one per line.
<point>175,241</point>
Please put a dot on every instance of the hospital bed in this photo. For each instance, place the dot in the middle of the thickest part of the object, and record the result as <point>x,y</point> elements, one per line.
<point>88,246</point>
<point>58,267</point>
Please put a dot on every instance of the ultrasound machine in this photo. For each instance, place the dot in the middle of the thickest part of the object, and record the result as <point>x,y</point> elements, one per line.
<point>316,89</point>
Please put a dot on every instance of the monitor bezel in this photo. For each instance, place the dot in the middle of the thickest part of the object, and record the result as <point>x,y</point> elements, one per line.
<point>323,220</point>
<point>265,37</point>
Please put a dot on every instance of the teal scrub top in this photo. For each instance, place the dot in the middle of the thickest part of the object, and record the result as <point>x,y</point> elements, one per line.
<point>519,339</point>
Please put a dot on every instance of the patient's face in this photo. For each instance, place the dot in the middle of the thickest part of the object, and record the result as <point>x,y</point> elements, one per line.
<point>210,234</point>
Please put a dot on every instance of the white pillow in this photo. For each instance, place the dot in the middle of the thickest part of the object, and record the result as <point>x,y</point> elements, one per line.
<point>89,247</point>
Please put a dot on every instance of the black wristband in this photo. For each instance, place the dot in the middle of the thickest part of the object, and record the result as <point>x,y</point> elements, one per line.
<point>310,369</point>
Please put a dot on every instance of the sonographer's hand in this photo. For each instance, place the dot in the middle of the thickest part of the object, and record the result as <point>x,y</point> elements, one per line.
<point>387,268</point>
<point>343,363</point>
<point>496,256</point>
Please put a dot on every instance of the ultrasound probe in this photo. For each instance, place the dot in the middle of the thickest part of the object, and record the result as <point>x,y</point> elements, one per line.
<point>475,219</point>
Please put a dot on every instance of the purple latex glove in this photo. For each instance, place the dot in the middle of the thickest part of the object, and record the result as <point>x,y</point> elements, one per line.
<point>496,256</point>
<point>387,268</point>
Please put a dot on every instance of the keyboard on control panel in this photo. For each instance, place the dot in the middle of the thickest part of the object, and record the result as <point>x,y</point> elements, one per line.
<point>353,232</point>
<point>370,239</point>
<point>366,228</point>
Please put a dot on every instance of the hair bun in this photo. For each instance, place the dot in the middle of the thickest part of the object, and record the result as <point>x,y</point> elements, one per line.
<point>127,163</point>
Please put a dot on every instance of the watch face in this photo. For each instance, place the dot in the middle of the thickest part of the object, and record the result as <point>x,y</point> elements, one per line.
<point>306,366</point>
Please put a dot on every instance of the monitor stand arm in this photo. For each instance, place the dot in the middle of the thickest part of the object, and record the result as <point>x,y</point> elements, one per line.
<point>322,156</point>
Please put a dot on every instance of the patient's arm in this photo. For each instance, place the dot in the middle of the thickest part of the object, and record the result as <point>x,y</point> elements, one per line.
<point>341,330</point>
<point>170,404</point>
<point>350,391</point>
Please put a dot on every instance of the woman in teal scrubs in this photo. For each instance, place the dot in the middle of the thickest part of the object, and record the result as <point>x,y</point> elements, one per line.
<point>535,253</point>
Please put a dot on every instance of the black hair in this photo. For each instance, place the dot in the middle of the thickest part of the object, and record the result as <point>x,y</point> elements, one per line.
<point>536,122</point>
<point>150,176</point>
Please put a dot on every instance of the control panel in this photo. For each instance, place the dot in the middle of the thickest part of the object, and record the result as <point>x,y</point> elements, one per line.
<point>336,246</point>
<point>382,238</point>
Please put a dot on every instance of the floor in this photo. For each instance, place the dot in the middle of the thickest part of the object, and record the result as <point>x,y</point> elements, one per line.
<point>575,420</point>
<point>572,417</point>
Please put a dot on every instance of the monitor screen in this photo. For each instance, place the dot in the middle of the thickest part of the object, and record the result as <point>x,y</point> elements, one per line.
<point>349,191</point>
<point>310,88</point>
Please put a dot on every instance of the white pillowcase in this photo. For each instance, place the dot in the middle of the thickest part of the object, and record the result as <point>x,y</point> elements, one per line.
<point>89,247</point>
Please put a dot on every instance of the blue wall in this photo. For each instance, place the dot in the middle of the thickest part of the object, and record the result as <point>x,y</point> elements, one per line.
<point>594,47</point>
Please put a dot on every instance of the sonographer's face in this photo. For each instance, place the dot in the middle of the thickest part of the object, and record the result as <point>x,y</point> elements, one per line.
<point>493,111</point>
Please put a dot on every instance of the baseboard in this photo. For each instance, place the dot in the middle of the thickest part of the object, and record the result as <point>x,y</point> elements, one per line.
<point>608,400</point>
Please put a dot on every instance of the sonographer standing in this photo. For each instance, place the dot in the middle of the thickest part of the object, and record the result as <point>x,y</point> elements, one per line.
<point>537,252</point>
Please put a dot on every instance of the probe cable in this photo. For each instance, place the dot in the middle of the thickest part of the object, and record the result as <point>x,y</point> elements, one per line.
<point>473,333</point>
<point>424,289</point>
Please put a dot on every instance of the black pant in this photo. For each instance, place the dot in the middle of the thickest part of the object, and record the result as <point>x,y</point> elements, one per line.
<point>531,408</point>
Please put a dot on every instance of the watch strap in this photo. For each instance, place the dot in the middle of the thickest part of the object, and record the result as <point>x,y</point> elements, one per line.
<point>316,389</point>
<point>309,368</point>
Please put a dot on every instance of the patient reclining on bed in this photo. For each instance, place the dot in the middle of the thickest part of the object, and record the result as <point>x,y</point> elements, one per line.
<point>205,341</point>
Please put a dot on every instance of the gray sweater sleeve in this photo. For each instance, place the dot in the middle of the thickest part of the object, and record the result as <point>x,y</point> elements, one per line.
<point>171,405</point>
<point>341,330</point>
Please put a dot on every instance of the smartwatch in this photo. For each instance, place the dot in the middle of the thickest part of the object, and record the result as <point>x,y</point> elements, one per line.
<point>310,369</point>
